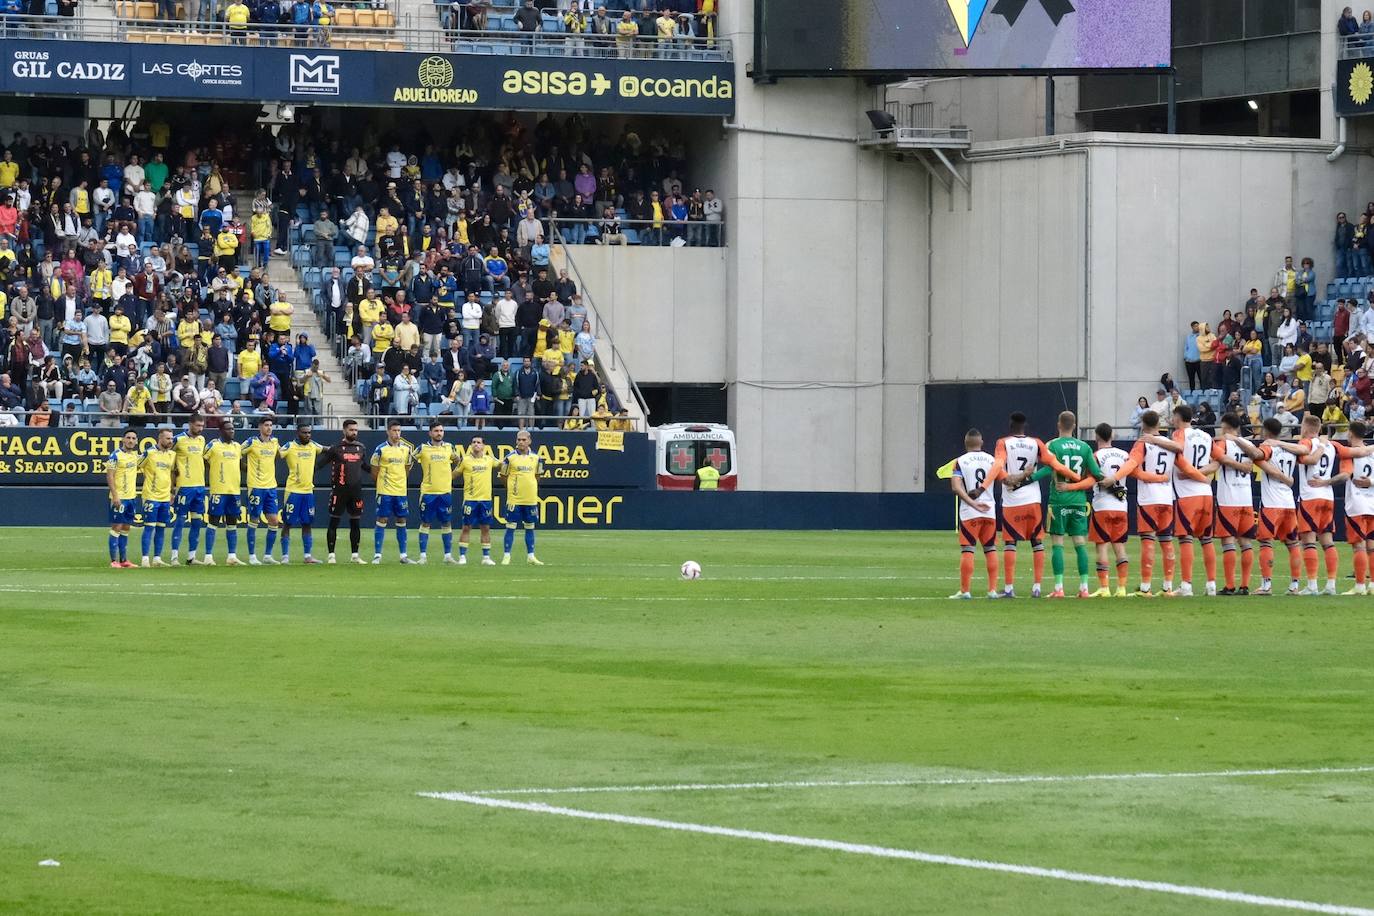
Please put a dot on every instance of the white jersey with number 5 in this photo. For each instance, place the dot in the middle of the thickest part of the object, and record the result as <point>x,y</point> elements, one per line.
<point>973,469</point>
<point>1111,460</point>
<point>1325,466</point>
<point>1197,451</point>
<point>1155,460</point>
<point>1235,488</point>
<point>1359,500</point>
<point>1275,494</point>
<point>1023,456</point>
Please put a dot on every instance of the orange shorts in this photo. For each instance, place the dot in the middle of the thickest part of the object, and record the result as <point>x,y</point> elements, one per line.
<point>1278,524</point>
<point>1196,516</point>
<point>1316,516</point>
<point>1155,520</point>
<point>977,532</point>
<point>1108,527</point>
<point>1236,521</point>
<point>1359,528</point>
<point>1023,523</point>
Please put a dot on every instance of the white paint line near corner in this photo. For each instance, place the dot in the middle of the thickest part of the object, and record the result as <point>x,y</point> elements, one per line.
<point>1056,874</point>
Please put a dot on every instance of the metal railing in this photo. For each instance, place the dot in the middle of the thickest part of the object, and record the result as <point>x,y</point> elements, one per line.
<point>468,423</point>
<point>1350,47</point>
<point>398,36</point>
<point>604,335</point>
<point>643,232</point>
<point>325,419</point>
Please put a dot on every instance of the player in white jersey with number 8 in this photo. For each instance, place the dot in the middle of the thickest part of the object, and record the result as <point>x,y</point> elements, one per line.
<point>977,514</point>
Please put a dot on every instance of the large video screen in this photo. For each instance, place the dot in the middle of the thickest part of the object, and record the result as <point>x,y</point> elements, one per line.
<point>838,37</point>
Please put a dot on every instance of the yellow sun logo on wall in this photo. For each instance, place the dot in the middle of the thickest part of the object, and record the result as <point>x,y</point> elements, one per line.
<point>1361,83</point>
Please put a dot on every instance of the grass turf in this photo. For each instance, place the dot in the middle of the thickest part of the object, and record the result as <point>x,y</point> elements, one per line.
<point>252,741</point>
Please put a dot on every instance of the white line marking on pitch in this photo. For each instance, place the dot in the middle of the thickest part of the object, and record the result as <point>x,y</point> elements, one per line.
<point>885,852</point>
<point>952,781</point>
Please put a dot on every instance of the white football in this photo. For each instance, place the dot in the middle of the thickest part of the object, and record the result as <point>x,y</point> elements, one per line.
<point>691,570</point>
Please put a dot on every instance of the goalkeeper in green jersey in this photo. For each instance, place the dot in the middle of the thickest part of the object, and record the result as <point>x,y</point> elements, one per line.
<point>1069,507</point>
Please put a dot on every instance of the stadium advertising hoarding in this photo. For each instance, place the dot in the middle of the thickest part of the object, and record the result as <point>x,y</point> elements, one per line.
<point>67,457</point>
<point>1355,87</point>
<point>382,78</point>
<point>825,37</point>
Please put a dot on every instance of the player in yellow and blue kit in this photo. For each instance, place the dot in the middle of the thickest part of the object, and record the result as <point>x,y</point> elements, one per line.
<point>522,469</point>
<point>300,459</point>
<point>121,475</point>
<point>263,506</point>
<point>158,466</point>
<point>436,459</point>
<point>225,459</point>
<point>191,493</point>
<point>476,469</point>
<point>391,462</point>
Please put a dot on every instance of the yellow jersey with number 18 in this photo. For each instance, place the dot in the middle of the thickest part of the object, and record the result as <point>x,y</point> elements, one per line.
<point>226,467</point>
<point>125,467</point>
<point>477,477</point>
<point>522,473</point>
<point>262,463</point>
<point>436,468</point>
<point>300,466</point>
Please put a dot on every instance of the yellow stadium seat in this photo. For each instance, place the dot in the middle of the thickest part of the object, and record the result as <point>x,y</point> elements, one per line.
<point>376,45</point>
<point>145,10</point>
<point>343,18</point>
<point>385,19</point>
<point>395,45</point>
<point>134,37</point>
<point>365,19</point>
<point>213,38</point>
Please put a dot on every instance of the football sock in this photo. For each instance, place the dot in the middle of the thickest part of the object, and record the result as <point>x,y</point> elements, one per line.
<point>1228,564</point>
<point>510,537</point>
<point>285,544</point>
<point>965,569</point>
<point>1209,559</point>
<point>529,539</point>
<point>1009,564</point>
<point>1266,561</point>
<point>1333,562</point>
<point>1057,564</point>
<point>355,533</point>
<point>231,535</point>
<point>1084,564</point>
<point>1361,565</point>
<point>424,539</point>
<point>1123,568</point>
<point>401,534</point>
<point>990,558</point>
<point>1101,575</point>
<point>308,541</point>
<point>148,540</point>
<point>1147,559</point>
<point>210,540</point>
<point>252,540</point>
<point>114,546</point>
<point>1167,548</point>
<point>123,546</point>
<point>194,541</point>
<point>1247,565</point>
<point>1185,557</point>
<point>486,548</point>
<point>378,535</point>
<point>332,536</point>
<point>177,528</point>
<point>1309,560</point>
<point>1294,563</point>
<point>1037,562</point>
<point>159,535</point>
<point>462,548</point>
<point>271,540</point>
<point>447,537</point>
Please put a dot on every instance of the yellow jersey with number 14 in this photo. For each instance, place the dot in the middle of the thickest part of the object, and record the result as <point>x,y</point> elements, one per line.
<point>477,477</point>
<point>522,473</point>
<point>262,463</point>
<point>300,466</point>
<point>226,467</point>
<point>125,467</point>
<point>436,468</point>
<point>393,463</point>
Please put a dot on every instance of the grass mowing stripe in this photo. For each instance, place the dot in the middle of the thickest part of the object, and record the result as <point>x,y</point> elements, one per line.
<point>913,855</point>
<point>615,599</point>
<point>952,781</point>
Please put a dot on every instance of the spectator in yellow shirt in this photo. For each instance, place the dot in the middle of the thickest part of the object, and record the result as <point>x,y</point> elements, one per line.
<point>279,316</point>
<point>382,335</point>
<point>120,326</point>
<point>260,226</point>
<point>250,359</point>
<point>226,249</point>
<point>369,314</point>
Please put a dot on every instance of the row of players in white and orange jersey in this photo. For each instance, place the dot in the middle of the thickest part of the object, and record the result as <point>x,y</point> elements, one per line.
<point>1174,494</point>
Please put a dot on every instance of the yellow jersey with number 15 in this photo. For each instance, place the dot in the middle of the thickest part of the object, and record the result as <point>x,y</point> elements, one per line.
<point>436,468</point>
<point>226,467</point>
<point>300,465</point>
<point>522,473</point>
<point>262,463</point>
<point>477,477</point>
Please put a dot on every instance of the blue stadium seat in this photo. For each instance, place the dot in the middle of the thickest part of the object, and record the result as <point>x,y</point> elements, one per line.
<point>231,388</point>
<point>1331,291</point>
<point>631,236</point>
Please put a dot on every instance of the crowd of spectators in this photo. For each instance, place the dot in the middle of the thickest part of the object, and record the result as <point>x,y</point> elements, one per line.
<point>627,28</point>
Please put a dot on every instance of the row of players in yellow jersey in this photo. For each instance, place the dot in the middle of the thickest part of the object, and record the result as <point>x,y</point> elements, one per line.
<point>187,481</point>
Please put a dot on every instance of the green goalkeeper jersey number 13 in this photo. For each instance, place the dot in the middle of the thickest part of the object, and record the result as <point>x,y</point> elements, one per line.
<point>1077,456</point>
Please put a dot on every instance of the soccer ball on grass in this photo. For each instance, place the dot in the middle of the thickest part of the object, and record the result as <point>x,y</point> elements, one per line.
<point>691,570</point>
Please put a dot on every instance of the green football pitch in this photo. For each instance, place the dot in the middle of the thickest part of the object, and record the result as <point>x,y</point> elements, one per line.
<point>205,741</point>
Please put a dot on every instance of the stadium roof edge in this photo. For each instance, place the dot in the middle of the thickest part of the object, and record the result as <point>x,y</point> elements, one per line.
<point>1089,140</point>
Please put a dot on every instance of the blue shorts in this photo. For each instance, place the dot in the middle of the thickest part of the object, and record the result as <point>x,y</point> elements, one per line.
<point>477,512</point>
<point>125,513</point>
<point>157,513</point>
<point>522,515</point>
<point>436,509</point>
<point>392,507</point>
<point>262,502</point>
<point>300,509</point>
<point>191,501</point>
<point>227,506</point>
